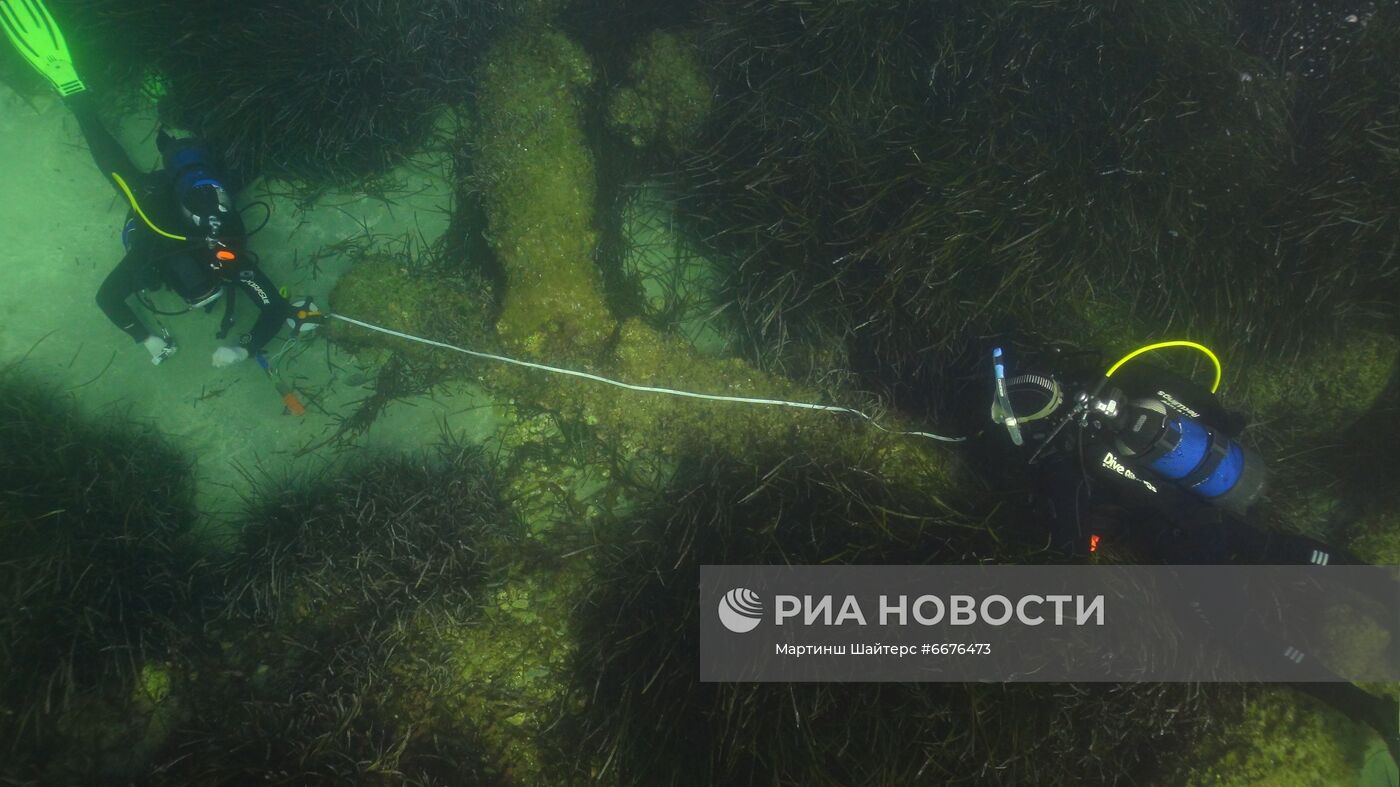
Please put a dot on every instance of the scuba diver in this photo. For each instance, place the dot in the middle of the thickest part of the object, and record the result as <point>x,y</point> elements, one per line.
<point>1143,458</point>
<point>183,230</point>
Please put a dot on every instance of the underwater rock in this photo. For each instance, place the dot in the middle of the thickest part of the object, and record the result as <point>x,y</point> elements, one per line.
<point>651,426</point>
<point>1325,389</point>
<point>1307,415</point>
<point>1375,536</point>
<point>507,667</point>
<point>1281,737</point>
<point>391,291</point>
<point>1357,644</point>
<point>534,170</point>
<point>667,95</point>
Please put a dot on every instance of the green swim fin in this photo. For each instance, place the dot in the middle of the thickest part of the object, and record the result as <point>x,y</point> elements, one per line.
<point>30,27</point>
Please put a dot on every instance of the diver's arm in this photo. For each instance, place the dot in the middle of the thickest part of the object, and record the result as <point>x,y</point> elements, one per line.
<point>109,155</point>
<point>272,310</point>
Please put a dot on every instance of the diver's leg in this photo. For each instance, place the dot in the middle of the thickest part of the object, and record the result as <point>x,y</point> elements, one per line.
<point>120,285</point>
<point>112,296</point>
<point>1228,620</point>
<point>110,157</point>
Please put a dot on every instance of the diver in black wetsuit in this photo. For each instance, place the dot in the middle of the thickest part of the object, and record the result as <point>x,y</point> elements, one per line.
<point>184,233</point>
<point>1152,461</point>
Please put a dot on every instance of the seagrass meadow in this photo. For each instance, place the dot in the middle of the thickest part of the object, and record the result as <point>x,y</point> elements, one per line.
<point>454,571</point>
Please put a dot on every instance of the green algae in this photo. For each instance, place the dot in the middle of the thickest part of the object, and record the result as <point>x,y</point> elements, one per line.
<point>1281,738</point>
<point>652,426</point>
<point>1106,323</point>
<point>331,575</point>
<point>534,11</point>
<point>506,666</point>
<point>1375,537</point>
<point>537,181</point>
<point>1356,643</point>
<point>536,175</point>
<point>1333,383</point>
<point>114,736</point>
<point>100,576</point>
<point>389,290</point>
<point>152,686</point>
<point>667,95</point>
<point>1308,411</point>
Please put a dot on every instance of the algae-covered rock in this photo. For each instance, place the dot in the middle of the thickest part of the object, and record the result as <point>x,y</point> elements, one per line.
<point>115,735</point>
<point>1357,644</point>
<point>1375,538</point>
<point>387,290</point>
<point>1308,413</point>
<point>1282,738</point>
<point>535,172</point>
<point>505,670</point>
<point>153,686</point>
<point>654,425</point>
<point>1326,388</point>
<point>667,95</point>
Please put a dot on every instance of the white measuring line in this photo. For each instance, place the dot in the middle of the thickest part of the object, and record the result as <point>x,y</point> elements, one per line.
<point>643,388</point>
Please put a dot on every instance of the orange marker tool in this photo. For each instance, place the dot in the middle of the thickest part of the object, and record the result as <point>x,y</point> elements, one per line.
<point>289,396</point>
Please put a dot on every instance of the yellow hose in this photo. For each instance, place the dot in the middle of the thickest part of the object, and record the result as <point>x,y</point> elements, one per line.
<point>121,184</point>
<point>1175,343</point>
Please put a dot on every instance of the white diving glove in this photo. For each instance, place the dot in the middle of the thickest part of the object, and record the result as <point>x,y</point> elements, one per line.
<point>159,348</point>
<point>228,356</point>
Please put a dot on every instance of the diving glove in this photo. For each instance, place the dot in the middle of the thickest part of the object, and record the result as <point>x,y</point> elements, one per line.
<point>30,27</point>
<point>159,348</point>
<point>228,356</point>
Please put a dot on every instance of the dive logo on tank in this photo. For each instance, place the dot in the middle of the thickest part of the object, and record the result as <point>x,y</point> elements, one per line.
<point>1114,465</point>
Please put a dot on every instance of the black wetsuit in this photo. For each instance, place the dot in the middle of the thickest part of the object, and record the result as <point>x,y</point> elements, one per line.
<point>1082,505</point>
<point>153,260</point>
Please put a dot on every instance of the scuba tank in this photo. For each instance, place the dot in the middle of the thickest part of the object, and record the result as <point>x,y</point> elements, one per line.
<point>1145,428</point>
<point>1169,440</point>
